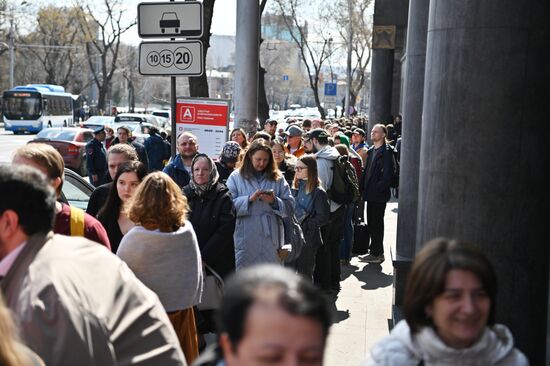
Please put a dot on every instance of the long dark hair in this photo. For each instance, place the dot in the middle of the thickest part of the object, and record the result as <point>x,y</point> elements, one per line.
<point>111,209</point>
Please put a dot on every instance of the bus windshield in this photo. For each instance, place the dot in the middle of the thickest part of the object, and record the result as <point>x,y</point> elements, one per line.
<point>21,107</point>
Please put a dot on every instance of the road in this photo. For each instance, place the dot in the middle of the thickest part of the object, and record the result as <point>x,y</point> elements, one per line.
<point>9,142</point>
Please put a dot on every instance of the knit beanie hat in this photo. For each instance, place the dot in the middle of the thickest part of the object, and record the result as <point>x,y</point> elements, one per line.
<point>230,152</point>
<point>343,139</point>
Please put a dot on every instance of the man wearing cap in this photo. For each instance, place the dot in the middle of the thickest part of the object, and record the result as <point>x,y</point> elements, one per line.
<point>358,143</point>
<point>294,141</point>
<point>96,159</point>
<point>270,127</point>
<point>327,262</point>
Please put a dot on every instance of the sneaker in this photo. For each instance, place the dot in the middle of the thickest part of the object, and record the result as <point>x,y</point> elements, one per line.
<point>374,258</point>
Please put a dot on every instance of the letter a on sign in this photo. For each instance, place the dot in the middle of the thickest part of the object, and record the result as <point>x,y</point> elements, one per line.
<point>187,114</point>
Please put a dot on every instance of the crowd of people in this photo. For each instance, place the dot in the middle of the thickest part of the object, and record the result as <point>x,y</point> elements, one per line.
<point>155,227</point>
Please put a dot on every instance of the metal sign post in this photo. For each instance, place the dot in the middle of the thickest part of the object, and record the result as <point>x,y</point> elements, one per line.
<point>183,58</point>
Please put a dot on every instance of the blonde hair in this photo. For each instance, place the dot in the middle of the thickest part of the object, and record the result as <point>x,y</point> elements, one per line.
<point>8,347</point>
<point>158,203</point>
<point>45,156</point>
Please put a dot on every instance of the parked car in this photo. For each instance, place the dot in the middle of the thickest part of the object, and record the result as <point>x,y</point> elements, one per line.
<point>137,117</point>
<point>140,130</point>
<point>76,190</point>
<point>95,122</point>
<point>71,144</point>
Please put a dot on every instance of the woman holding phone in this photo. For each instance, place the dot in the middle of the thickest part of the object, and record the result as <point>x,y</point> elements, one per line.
<point>262,198</point>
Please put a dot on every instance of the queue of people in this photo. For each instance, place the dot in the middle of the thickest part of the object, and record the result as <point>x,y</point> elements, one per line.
<point>136,301</point>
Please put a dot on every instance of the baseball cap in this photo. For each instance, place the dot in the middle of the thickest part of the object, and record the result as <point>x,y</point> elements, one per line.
<point>294,131</point>
<point>316,133</point>
<point>271,121</point>
<point>359,131</point>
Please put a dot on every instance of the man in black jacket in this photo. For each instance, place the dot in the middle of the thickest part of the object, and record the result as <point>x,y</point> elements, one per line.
<point>377,178</point>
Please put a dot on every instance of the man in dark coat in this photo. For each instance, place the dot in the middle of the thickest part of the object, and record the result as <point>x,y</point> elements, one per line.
<point>96,160</point>
<point>157,148</point>
<point>377,178</point>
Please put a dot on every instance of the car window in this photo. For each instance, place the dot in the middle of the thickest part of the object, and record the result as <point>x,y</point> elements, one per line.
<point>56,134</point>
<point>76,193</point>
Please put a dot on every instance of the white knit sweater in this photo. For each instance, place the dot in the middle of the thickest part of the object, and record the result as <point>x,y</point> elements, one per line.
<point>168,263</point>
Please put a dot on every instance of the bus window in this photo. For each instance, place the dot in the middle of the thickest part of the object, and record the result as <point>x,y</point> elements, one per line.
<point>25,108</point>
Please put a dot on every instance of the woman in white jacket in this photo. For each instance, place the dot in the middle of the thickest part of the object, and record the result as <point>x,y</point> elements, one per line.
<point>449,309</point>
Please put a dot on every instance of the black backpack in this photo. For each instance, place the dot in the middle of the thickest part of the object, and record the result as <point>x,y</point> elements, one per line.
<point>345,184</point>
<point>395,179</point>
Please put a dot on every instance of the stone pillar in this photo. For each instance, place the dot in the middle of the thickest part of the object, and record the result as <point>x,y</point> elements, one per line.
<point>483,154</point>
<point>246,65</point>
<point>413,92</point>
<point>390,22</point>
<point>380,87</point>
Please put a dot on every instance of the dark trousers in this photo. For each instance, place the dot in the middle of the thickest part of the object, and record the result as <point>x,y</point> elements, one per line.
<point>375,220</point>
<point>327,261</point>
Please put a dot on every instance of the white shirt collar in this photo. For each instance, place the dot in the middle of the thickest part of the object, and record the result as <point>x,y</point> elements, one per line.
<point>7,261</point>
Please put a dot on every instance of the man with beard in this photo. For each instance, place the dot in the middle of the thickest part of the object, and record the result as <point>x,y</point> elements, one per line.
<point>179,169</point>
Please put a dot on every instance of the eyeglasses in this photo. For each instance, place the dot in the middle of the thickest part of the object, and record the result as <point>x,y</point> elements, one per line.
<point>300,168</point>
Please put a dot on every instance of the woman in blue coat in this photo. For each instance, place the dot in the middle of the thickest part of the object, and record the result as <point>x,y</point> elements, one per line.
<point>262,198</point>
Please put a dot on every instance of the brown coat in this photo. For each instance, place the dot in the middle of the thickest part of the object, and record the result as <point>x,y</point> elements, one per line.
<point>75,303</point>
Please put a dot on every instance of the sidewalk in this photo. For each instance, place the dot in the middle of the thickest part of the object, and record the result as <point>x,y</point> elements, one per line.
<point>363,308</point>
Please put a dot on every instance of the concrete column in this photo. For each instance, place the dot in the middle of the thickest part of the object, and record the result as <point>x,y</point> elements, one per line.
<point>246,65</point>
<point>484,151</point>
<point>380,87</point>
<point>389,24</point>
<point>413,91</point>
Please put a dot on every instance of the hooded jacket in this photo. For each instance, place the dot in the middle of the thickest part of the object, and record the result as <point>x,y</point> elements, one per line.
<point>325,163</point>
<point>495,347</point>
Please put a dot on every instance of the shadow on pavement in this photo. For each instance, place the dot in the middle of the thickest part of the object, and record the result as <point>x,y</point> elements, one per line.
<point>347,270</point>
<point>337,315</point>
<point>373,277</point>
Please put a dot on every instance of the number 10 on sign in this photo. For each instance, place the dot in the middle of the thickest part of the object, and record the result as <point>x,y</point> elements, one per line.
<point>171,58</point>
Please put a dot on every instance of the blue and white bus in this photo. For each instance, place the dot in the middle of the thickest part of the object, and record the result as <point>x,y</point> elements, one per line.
<point>32,107</point>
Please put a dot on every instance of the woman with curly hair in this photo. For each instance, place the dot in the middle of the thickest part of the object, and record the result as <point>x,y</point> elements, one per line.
<point>163,252</point>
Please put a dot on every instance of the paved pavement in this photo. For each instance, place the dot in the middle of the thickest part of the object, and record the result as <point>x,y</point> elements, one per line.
<point>363,308</point>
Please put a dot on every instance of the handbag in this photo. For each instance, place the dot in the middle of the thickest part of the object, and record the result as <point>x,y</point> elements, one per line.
<point>294,237</point>
<point>212,289</point>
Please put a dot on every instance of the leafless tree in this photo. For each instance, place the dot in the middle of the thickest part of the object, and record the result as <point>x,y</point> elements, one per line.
<point>102,42</point>
<point>360,42</point>
<point>313,52</point>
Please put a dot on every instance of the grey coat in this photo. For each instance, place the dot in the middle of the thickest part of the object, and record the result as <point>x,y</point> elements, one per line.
<point>259,229</point>
<point>76,303</point>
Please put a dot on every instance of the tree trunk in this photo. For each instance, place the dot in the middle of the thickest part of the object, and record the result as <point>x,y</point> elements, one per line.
<point>318,103</point>
<point>263,105</point>
<point>198,86</point>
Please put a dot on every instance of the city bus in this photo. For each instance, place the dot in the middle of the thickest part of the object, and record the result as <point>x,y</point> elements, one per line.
<point>32,107</point>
